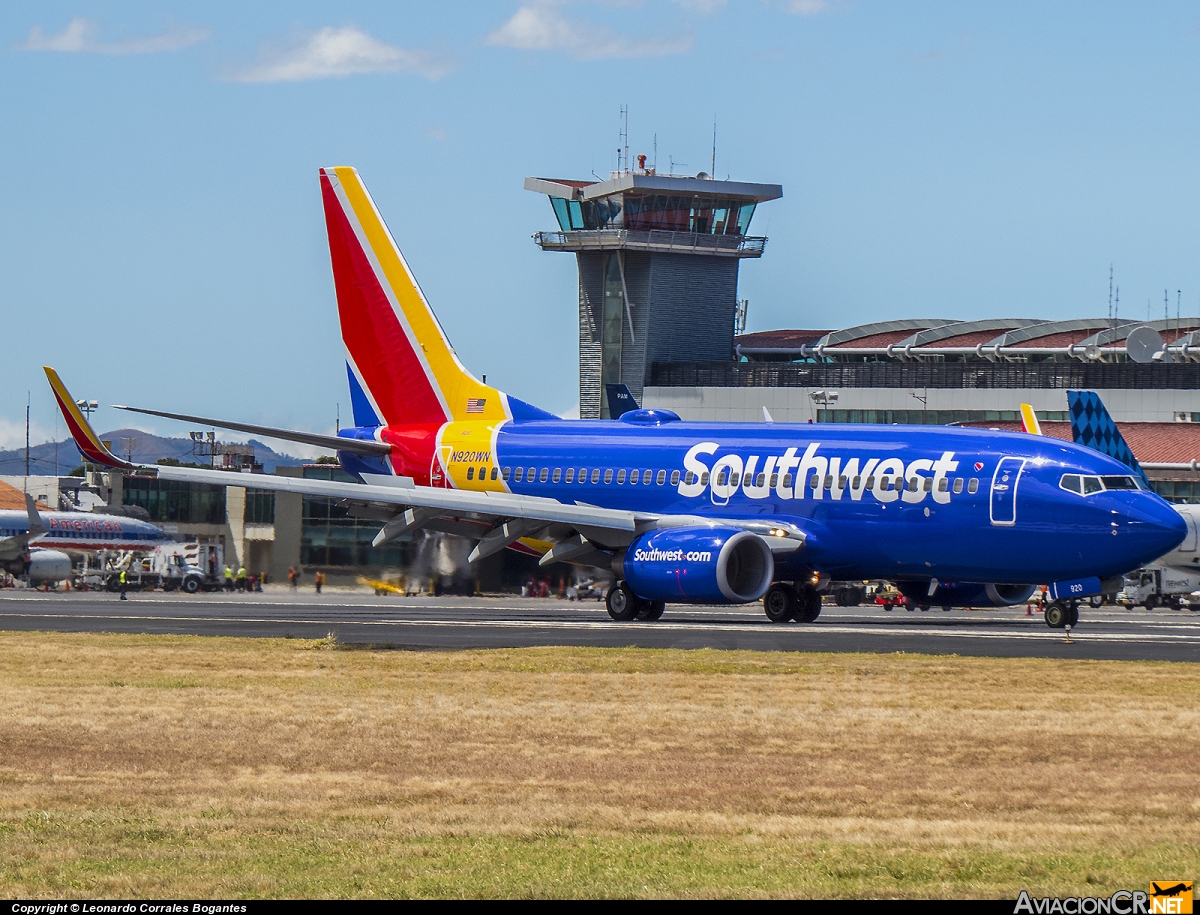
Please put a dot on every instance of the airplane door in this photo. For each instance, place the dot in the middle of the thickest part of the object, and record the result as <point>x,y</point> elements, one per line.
<point>1004,490</point>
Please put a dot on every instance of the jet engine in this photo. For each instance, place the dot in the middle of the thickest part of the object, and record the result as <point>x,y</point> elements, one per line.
<point>48,566</point>
<point>699,565</point>
<point>966,594</point>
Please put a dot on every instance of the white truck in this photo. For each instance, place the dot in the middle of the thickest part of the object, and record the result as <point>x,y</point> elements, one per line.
<point>1161,586</point>
<point>171,566</point>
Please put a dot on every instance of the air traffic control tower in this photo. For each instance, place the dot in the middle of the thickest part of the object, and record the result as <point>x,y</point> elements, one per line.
<point>658,270</point>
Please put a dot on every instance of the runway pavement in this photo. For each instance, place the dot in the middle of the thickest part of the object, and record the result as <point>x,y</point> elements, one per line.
<point>360,617</point>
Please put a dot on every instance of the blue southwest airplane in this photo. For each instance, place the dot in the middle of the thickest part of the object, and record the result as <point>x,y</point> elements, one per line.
<point>688,512</point>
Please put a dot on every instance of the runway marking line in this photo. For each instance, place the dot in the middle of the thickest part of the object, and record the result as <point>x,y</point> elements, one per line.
<point>763,628</point>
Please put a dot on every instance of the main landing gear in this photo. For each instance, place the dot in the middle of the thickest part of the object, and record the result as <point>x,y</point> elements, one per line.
<point>784,602</point>
<point>623,605</point>
<point>1059,614</point>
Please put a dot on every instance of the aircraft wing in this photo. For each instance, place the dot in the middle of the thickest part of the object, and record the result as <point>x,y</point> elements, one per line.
<point>565,532</point>
<point>12,547</point>
<point>333,442</point>
<point>573,532</point>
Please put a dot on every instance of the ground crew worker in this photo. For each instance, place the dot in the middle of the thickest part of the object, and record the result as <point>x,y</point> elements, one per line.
<point>228,578</point>
<point>123,597</point>
<point>241,578</point>
<point>293,576</point>
<point>319,579</point>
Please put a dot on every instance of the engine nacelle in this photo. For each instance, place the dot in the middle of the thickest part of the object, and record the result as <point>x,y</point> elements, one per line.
<point>48,566</point>
<point>698,565</point>
<point>966,594</point>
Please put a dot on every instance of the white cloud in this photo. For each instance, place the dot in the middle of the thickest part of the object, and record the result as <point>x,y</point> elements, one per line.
<point>12,435</point>
<point>79,37</point>
<point>340,52</point>
<point>807,7</point>
<point>537,27</point>
<point>703,7</point>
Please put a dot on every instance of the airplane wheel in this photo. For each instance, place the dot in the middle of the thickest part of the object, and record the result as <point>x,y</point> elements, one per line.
<point>780,602</point>
<point>1055,615</point>
<point>621,602</point>
<point>1072,616</point>
<point>652,610</point>
<point>808,605</point>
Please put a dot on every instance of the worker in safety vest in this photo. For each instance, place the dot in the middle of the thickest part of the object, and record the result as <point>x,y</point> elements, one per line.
<point>228,578</point>
<point>123,597</point>
<point>241,578</point>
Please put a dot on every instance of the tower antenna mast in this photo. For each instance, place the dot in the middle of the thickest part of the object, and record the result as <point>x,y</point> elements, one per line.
<point>623,149</point>
<point>713,167</point>
<point>1110,279</point>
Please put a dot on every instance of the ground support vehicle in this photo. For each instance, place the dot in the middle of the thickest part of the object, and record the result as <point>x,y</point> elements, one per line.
<point>889,598</point>
<point>1157,586</point>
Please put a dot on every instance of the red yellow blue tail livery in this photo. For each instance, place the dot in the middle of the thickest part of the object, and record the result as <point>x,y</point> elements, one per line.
<point>688,512</point>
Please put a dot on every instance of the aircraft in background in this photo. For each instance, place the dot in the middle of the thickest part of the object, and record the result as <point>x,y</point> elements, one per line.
<point>689,512</point>
<point>1177,572</point>
<point>41,544</point>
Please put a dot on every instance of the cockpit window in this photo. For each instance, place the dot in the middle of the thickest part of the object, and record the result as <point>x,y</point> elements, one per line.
<point>1085,486</point>
<point>1119,483</point>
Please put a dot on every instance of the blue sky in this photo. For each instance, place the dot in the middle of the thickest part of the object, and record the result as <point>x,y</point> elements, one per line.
<point>163,244</point>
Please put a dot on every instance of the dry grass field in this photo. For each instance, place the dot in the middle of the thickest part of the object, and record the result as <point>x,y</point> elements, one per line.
<point>164,766</point>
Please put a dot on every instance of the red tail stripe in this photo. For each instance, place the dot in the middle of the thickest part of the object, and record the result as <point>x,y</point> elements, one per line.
<point>393,375</point>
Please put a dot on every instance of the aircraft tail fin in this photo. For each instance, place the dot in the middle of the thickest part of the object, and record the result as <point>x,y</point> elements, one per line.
<point>86,439</point>
<point>620,400</point>
<point>37,526</point>
<point>1029,420</point>
<point>402,368</point>
<point>1093,427</point>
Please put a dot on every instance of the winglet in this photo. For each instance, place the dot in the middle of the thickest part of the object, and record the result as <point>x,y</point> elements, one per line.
<point>1093,427</point>
<point>37,526</point>
<point>86,439</point>
<point>1029,420</point>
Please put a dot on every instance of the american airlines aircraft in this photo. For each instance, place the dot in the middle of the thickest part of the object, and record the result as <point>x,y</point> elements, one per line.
<point>687,512</point>
<point>40,544</point>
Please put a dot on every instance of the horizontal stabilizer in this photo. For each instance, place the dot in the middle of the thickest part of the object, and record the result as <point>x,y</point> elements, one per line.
<point>333,442</point>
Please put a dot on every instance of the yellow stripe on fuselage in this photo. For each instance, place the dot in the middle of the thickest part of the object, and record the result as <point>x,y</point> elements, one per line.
<point>457,385</point>
<point>467,451</point>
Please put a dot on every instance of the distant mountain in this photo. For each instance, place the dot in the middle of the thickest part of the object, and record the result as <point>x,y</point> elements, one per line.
<point>145,449</point>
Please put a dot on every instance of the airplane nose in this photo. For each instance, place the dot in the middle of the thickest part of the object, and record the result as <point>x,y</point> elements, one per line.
<point>1156,527</point>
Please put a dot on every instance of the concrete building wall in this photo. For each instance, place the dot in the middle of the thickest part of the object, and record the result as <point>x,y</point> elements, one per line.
<point>289,511</point>
<point>680,309</point>
<point>796,406</point>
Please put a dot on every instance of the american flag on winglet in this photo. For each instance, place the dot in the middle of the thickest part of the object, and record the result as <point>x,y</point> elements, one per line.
<point>475,404</point>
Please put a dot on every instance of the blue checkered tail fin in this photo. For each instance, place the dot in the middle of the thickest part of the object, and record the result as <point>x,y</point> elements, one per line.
<point>1092,427</point>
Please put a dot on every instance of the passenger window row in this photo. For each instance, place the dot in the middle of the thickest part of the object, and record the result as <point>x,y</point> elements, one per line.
<point>586,475</point>
<point>724,478</point>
